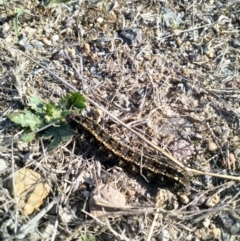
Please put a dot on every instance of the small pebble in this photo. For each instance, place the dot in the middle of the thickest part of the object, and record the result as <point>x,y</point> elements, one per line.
<point>3,165</point>
<point>100,20</point>
<point>212,146</point>
<point>55,38</point>
<point>206,222</point>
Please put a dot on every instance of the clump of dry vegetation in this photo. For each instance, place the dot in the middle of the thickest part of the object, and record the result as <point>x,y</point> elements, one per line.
<point>160,77</point>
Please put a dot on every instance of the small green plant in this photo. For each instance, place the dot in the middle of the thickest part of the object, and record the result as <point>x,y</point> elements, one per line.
<point>18,13</point>
<point>48,119</point>
<point>83,238</point>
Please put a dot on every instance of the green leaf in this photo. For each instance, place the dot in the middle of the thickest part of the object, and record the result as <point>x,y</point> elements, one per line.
<point>84,238</point>
<point>27,137</point>
<point>36,103</point>
<point>52,112</point>
<point>19,12</point>
<point>74,99</point>
<point>58,134</point>
<point>26,119</point>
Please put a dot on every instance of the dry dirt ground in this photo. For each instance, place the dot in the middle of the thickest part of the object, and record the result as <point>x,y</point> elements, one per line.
<point>167,69</point>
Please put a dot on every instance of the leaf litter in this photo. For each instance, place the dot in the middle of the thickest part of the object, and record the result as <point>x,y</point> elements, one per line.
<point>177,84</point>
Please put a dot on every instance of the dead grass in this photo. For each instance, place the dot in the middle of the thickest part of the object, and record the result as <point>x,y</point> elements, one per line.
<point>178,86</point>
